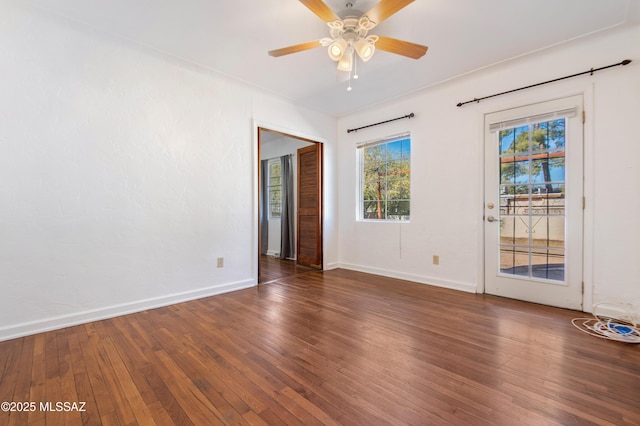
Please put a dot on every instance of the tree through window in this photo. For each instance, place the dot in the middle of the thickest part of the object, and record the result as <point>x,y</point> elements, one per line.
<point>385,179</point>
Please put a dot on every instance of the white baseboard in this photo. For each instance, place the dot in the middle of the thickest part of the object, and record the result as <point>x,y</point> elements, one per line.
<point>332,265</point>
<point>56,323</point>
<point>622,310</point>
<point>454,285</point>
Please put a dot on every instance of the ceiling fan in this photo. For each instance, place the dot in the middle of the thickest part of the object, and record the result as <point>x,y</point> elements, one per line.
<point>349,35</point>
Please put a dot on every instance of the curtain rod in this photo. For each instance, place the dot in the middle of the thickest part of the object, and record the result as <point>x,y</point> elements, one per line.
<point>382,122</point>
<point>591,71</point>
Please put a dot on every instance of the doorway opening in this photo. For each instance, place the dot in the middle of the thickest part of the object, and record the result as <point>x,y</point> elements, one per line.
<point>290,205</point>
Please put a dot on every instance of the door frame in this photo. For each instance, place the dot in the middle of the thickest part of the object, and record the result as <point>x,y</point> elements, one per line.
<point>270,127</point>
<point>542,94</point>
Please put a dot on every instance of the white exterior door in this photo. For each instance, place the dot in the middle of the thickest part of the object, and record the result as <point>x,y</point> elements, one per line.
<point>533,210</point>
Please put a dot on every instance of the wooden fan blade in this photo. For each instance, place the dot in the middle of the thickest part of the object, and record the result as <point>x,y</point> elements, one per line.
<point>386,8</point>
<point>401,47</point>
<point>321,10</point>
<point>295,49</point>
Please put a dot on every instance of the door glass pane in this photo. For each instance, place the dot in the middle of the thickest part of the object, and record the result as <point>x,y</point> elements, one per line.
<point>514,260</point>
<point>532,200</point>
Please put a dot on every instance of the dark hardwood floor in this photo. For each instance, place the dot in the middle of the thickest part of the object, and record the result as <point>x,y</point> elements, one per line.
<point>273,268</point>
<point>334,347</point>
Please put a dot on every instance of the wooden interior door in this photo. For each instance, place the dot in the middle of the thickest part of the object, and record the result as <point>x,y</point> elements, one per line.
<point>309,241</point>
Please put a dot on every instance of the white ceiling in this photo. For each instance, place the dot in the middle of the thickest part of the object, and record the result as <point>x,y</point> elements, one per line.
<point>233,37</point>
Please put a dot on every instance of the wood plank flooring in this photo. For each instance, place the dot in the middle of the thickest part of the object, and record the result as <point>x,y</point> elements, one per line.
<point>334,347</point>
<point>273,268</point>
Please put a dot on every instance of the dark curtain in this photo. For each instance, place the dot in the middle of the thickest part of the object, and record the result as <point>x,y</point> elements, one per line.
<point>287,242</point>
<point>264,207</point>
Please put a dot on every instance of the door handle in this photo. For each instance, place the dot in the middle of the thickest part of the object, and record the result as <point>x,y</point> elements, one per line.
<point>491,219</point>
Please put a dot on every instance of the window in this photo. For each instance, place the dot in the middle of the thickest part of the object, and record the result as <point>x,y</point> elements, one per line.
<point>275,188</point>
<point>532,199</point>
<point>385,179</point>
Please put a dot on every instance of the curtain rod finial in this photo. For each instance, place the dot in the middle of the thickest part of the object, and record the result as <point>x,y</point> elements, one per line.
<point>626,62</point>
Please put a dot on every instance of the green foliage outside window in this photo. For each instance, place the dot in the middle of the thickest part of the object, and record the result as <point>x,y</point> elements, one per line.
<point>386,180</point>
<point>532,157</point>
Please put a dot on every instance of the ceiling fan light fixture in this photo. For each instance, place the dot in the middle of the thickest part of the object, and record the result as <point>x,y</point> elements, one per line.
<point>349,36</point>
<point>346,62</point>
<point>337,49</point>
<point>365,49</point>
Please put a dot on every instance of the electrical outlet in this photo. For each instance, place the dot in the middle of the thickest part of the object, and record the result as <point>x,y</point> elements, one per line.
<point>220,262</point>
<point>436,259</point>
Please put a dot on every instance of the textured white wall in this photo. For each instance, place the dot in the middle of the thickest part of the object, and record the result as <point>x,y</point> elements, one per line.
<point>447,169</point>
<point>124,174</point>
